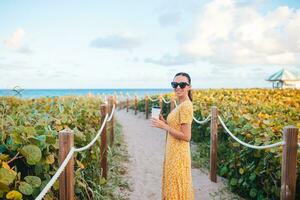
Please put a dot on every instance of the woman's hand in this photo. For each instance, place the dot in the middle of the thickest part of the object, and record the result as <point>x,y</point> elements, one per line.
<point>158,123</point>
<point>161,117</point>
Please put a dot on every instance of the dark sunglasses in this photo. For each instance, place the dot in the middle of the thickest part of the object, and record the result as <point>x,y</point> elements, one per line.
<point>181,84</point>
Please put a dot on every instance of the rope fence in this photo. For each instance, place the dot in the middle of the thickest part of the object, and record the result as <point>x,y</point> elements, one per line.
<point>289,142</point>
<point>203,121</point>
<point>165,101</point>
<point>67,190</point>
<point>153,100</point>
<point>246,144</point>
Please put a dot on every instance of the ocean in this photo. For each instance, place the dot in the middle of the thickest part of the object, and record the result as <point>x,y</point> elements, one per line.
<point>36,93</point>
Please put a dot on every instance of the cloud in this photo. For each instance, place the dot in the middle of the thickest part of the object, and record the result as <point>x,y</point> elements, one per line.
<point>169,19</point>
<point>135,59</point>
<point>169,60</point>
<point>25,49</point>
<point>15,40</point>
<point>15,66</point>
<point>230,33</point>
<point>116,42</point>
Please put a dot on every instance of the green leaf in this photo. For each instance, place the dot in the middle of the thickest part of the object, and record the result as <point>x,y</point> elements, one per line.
<point>4,187</point>
<point>30,131</point>
<point>6,177</point>
<point>233,181</point>
<point>34,181</point>
<point>252,176</point>
<point>253,192</point>
<point>2,148</point>
<point>32,154</point>
<point>223,171</point>
<point>25,188</point>
<point>235,144</point>
<point>50,139</point>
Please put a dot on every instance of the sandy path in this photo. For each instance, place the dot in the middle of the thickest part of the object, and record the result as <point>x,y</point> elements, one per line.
<point>146,150</point>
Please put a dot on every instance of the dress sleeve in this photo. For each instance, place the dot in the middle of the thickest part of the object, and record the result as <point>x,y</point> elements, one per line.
<point>186,113</point>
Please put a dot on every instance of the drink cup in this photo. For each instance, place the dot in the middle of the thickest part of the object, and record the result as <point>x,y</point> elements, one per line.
<point>155,112</point>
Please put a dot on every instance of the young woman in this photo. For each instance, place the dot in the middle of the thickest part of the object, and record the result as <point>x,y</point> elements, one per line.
<point>177,178</point>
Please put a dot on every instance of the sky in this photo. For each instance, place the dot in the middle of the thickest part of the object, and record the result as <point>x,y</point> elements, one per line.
<point>143,44</point>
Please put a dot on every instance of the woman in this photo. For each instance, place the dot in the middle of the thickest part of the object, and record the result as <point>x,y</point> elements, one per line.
<point>177,178</point>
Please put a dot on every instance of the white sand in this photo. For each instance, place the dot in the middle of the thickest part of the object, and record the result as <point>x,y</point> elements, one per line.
<point>146,147</point>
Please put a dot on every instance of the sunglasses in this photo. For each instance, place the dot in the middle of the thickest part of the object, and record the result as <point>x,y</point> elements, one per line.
<point>181,84</point>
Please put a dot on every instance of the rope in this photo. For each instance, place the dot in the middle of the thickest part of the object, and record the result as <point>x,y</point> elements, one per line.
<point>165,100</point>
<point>67,159</point>
<point>112,113</point>
<point>95,138</point>
<point>204,121</point>
<point>56,175</point>
<point>249,145</point>
<point>197,121</point>
<point>152,99</point>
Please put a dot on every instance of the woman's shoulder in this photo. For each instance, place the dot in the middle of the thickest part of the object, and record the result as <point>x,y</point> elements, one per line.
<point>187,104</point>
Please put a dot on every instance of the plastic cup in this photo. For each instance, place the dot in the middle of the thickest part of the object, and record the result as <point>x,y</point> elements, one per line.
<point>155,112</point>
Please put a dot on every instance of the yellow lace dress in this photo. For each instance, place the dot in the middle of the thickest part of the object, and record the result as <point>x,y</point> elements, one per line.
<point>177,177</point>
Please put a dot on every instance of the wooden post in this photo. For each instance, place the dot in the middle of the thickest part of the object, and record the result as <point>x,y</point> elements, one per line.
<point>213,144</point>
<point>172,104</point>
<point>66,179</point>
<point>160,102</point>
<point>103,147</point>
<point>115,99</point>
<point>135,104</point>
<point>289,163</point>
<point>127,104</point>
<point>147,107</point>
<point>120,100</point>
<point>112,123</point>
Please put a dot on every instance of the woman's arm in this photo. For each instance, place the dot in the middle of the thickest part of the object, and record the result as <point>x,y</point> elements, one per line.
<point>183,134</point>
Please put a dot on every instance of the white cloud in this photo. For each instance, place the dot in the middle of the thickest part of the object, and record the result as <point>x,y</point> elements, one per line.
<point>15,40</point>
<point>25,49</point>
<point>230,33</point>
<point>116,42</point>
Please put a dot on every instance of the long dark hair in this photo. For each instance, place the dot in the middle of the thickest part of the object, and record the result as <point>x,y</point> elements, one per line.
<point>189,80</point>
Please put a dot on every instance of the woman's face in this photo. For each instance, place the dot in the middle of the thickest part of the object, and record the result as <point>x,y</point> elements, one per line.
<point>181,92</point>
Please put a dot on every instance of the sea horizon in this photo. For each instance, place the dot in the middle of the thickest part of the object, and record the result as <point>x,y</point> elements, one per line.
<point>56,92</point>
<point>36,93</point>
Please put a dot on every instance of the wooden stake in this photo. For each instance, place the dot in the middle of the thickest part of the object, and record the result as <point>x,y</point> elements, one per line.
<point>147,107</point>
<point>135,105</point>
<point>213,144</point>
<point>289,163</point>
<point>103,147</point>
<point>66,179</point>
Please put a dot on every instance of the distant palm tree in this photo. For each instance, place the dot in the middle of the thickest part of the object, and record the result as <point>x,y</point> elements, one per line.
<point>18,91</point>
